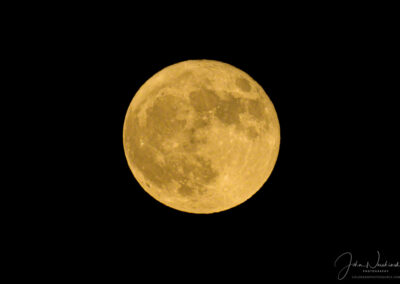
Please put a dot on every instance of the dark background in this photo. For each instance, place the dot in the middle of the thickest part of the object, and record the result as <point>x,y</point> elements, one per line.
<point>330,74</point>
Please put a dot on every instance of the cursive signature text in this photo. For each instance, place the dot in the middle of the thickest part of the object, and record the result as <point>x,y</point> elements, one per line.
<point>347,259</point>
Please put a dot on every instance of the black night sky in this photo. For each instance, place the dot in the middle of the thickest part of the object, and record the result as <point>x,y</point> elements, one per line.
<point>332,189</point>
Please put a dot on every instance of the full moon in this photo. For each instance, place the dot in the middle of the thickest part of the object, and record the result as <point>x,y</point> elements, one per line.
<point>201,136</point>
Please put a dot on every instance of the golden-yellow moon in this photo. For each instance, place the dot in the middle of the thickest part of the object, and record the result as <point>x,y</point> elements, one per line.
<point>201,136</point>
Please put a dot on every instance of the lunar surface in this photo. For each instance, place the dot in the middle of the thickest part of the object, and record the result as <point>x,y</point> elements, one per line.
<point>201,136</point>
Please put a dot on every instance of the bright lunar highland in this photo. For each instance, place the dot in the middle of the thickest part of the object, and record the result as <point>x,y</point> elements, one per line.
<point>201,136</point>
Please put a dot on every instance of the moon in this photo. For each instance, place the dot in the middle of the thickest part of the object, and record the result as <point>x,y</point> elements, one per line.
<point>201,136</point>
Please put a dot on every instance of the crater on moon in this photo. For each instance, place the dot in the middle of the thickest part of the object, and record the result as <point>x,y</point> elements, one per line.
<point>243,84</point>
<point>201,137</point>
